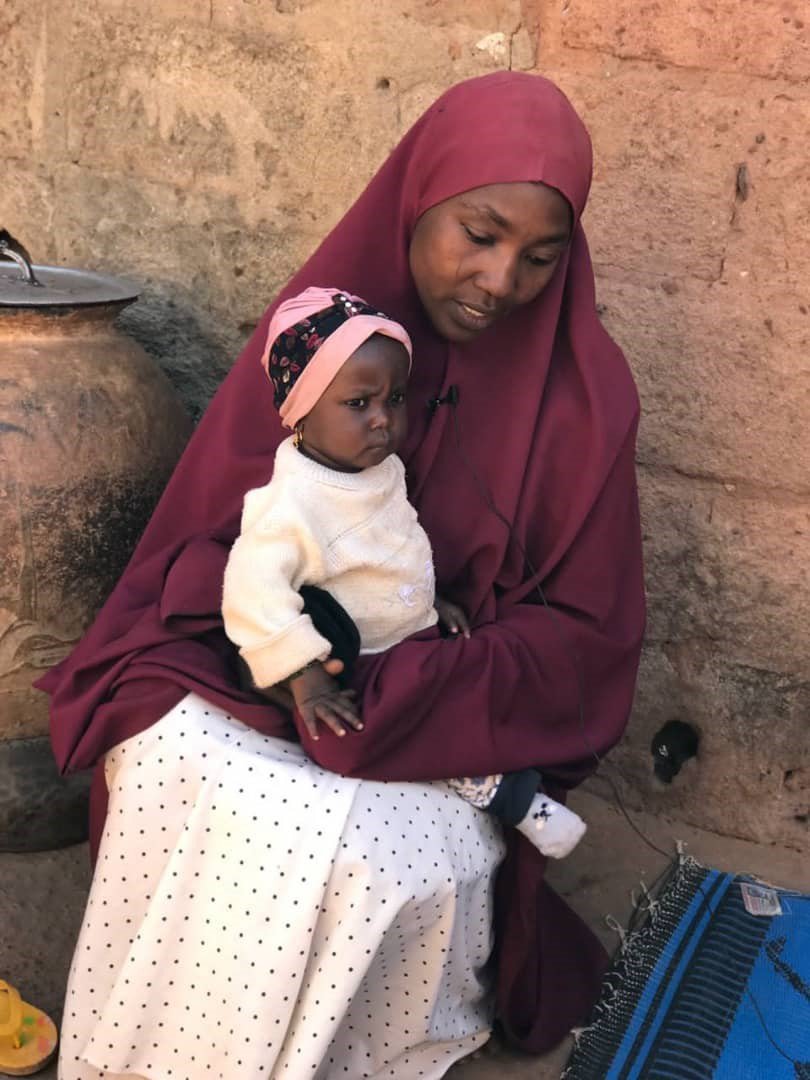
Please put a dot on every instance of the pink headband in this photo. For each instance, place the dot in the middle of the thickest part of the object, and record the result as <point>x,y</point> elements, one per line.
<point>309,379</point>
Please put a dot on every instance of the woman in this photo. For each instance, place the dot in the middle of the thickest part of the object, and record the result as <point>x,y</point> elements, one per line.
<point>237,849</point>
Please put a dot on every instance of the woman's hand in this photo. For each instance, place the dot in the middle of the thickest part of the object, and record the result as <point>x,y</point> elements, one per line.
<point>452,617</point>
<point>318,697</point>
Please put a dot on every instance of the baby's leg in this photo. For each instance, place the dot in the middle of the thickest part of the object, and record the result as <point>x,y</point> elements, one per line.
<point>513,798</point>
<point>551,827</point>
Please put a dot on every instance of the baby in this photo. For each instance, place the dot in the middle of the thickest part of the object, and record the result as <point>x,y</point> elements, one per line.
<point>336,515</point>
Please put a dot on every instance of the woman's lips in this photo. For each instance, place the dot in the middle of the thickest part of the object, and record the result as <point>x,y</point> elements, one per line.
<point>472,318</point>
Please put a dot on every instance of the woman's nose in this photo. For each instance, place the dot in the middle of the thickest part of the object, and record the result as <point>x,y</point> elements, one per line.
<point>498,276</point>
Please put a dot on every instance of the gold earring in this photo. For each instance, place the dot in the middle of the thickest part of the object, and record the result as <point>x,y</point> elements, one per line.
<point>298,436</point>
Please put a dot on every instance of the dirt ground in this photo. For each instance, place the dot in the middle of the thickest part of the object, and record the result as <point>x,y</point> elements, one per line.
<point>42,897</point>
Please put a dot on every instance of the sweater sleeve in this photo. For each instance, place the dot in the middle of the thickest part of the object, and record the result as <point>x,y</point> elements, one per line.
<point>261,605</point>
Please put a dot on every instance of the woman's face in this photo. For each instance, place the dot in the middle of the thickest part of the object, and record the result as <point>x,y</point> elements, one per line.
<point>477,256</point>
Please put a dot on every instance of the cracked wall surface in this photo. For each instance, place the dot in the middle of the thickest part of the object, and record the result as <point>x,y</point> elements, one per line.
<point>204,147</point>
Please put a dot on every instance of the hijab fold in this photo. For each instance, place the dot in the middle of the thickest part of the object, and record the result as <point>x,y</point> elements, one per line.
<point>545,426</point>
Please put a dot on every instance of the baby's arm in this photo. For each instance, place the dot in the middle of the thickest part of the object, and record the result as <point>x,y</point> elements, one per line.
<point>263,615</point>
<point>262,609</point>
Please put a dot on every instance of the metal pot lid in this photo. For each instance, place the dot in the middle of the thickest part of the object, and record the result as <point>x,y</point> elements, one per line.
<point>24,284</point>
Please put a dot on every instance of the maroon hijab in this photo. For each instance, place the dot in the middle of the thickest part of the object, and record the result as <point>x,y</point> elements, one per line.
<point>547,417</point>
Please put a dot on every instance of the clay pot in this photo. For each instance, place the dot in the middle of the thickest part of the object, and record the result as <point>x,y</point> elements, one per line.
<point>90,431</point>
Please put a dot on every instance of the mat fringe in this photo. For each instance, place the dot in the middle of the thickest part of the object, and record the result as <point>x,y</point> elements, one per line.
<point>654,920</point>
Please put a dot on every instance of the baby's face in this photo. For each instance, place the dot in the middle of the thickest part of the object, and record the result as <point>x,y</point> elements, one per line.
<point>361,417</point>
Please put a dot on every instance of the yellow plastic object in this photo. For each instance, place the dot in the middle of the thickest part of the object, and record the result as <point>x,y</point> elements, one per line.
<point>28,1037</point>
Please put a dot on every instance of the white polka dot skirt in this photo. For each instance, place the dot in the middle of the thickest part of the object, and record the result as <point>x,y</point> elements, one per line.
<point>255,916</point>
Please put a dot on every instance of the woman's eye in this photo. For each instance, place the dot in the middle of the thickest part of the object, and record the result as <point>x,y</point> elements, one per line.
<point>542,260</point>
<point>357,403</point>
<point>478,238</point>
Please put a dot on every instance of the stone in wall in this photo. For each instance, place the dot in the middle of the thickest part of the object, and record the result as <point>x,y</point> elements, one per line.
<point>768,38</point>
<point>723,369</point>
<point>653,209</point>
<point>729,568</point>
<point>23,56</point>
<point>668,149</point>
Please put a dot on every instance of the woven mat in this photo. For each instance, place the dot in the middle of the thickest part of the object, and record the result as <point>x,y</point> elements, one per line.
<point>713,985</point>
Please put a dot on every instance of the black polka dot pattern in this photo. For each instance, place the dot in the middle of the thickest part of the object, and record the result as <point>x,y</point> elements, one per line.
<point>253,915</point>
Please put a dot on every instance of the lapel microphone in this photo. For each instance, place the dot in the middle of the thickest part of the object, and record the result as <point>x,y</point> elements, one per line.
<point>450,398</point>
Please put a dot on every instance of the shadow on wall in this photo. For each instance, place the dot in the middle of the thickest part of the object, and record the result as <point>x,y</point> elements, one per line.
<point>193,346</point>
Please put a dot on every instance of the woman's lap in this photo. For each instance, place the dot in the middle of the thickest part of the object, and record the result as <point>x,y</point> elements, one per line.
<point>254,915</point>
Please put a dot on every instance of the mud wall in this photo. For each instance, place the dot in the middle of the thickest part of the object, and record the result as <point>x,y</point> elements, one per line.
<point>204,147</point>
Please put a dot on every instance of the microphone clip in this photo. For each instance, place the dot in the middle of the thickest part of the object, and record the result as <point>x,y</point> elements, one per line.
<point>450,398</point>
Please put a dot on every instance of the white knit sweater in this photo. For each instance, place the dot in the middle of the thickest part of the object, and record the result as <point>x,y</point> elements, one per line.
<point>353,534</point>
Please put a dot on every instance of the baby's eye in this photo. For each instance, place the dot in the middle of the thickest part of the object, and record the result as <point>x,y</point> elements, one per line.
<point>357,402</point>
<point>397,398</point>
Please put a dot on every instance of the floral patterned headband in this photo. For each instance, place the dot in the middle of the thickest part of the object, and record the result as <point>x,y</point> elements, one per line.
<point>310,337</point>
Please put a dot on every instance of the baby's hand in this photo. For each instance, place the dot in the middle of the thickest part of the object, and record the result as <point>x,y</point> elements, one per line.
<point>318,697</point>
<point>452,617</point>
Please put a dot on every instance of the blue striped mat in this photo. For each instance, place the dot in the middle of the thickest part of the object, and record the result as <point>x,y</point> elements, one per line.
<point>705,989</point>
